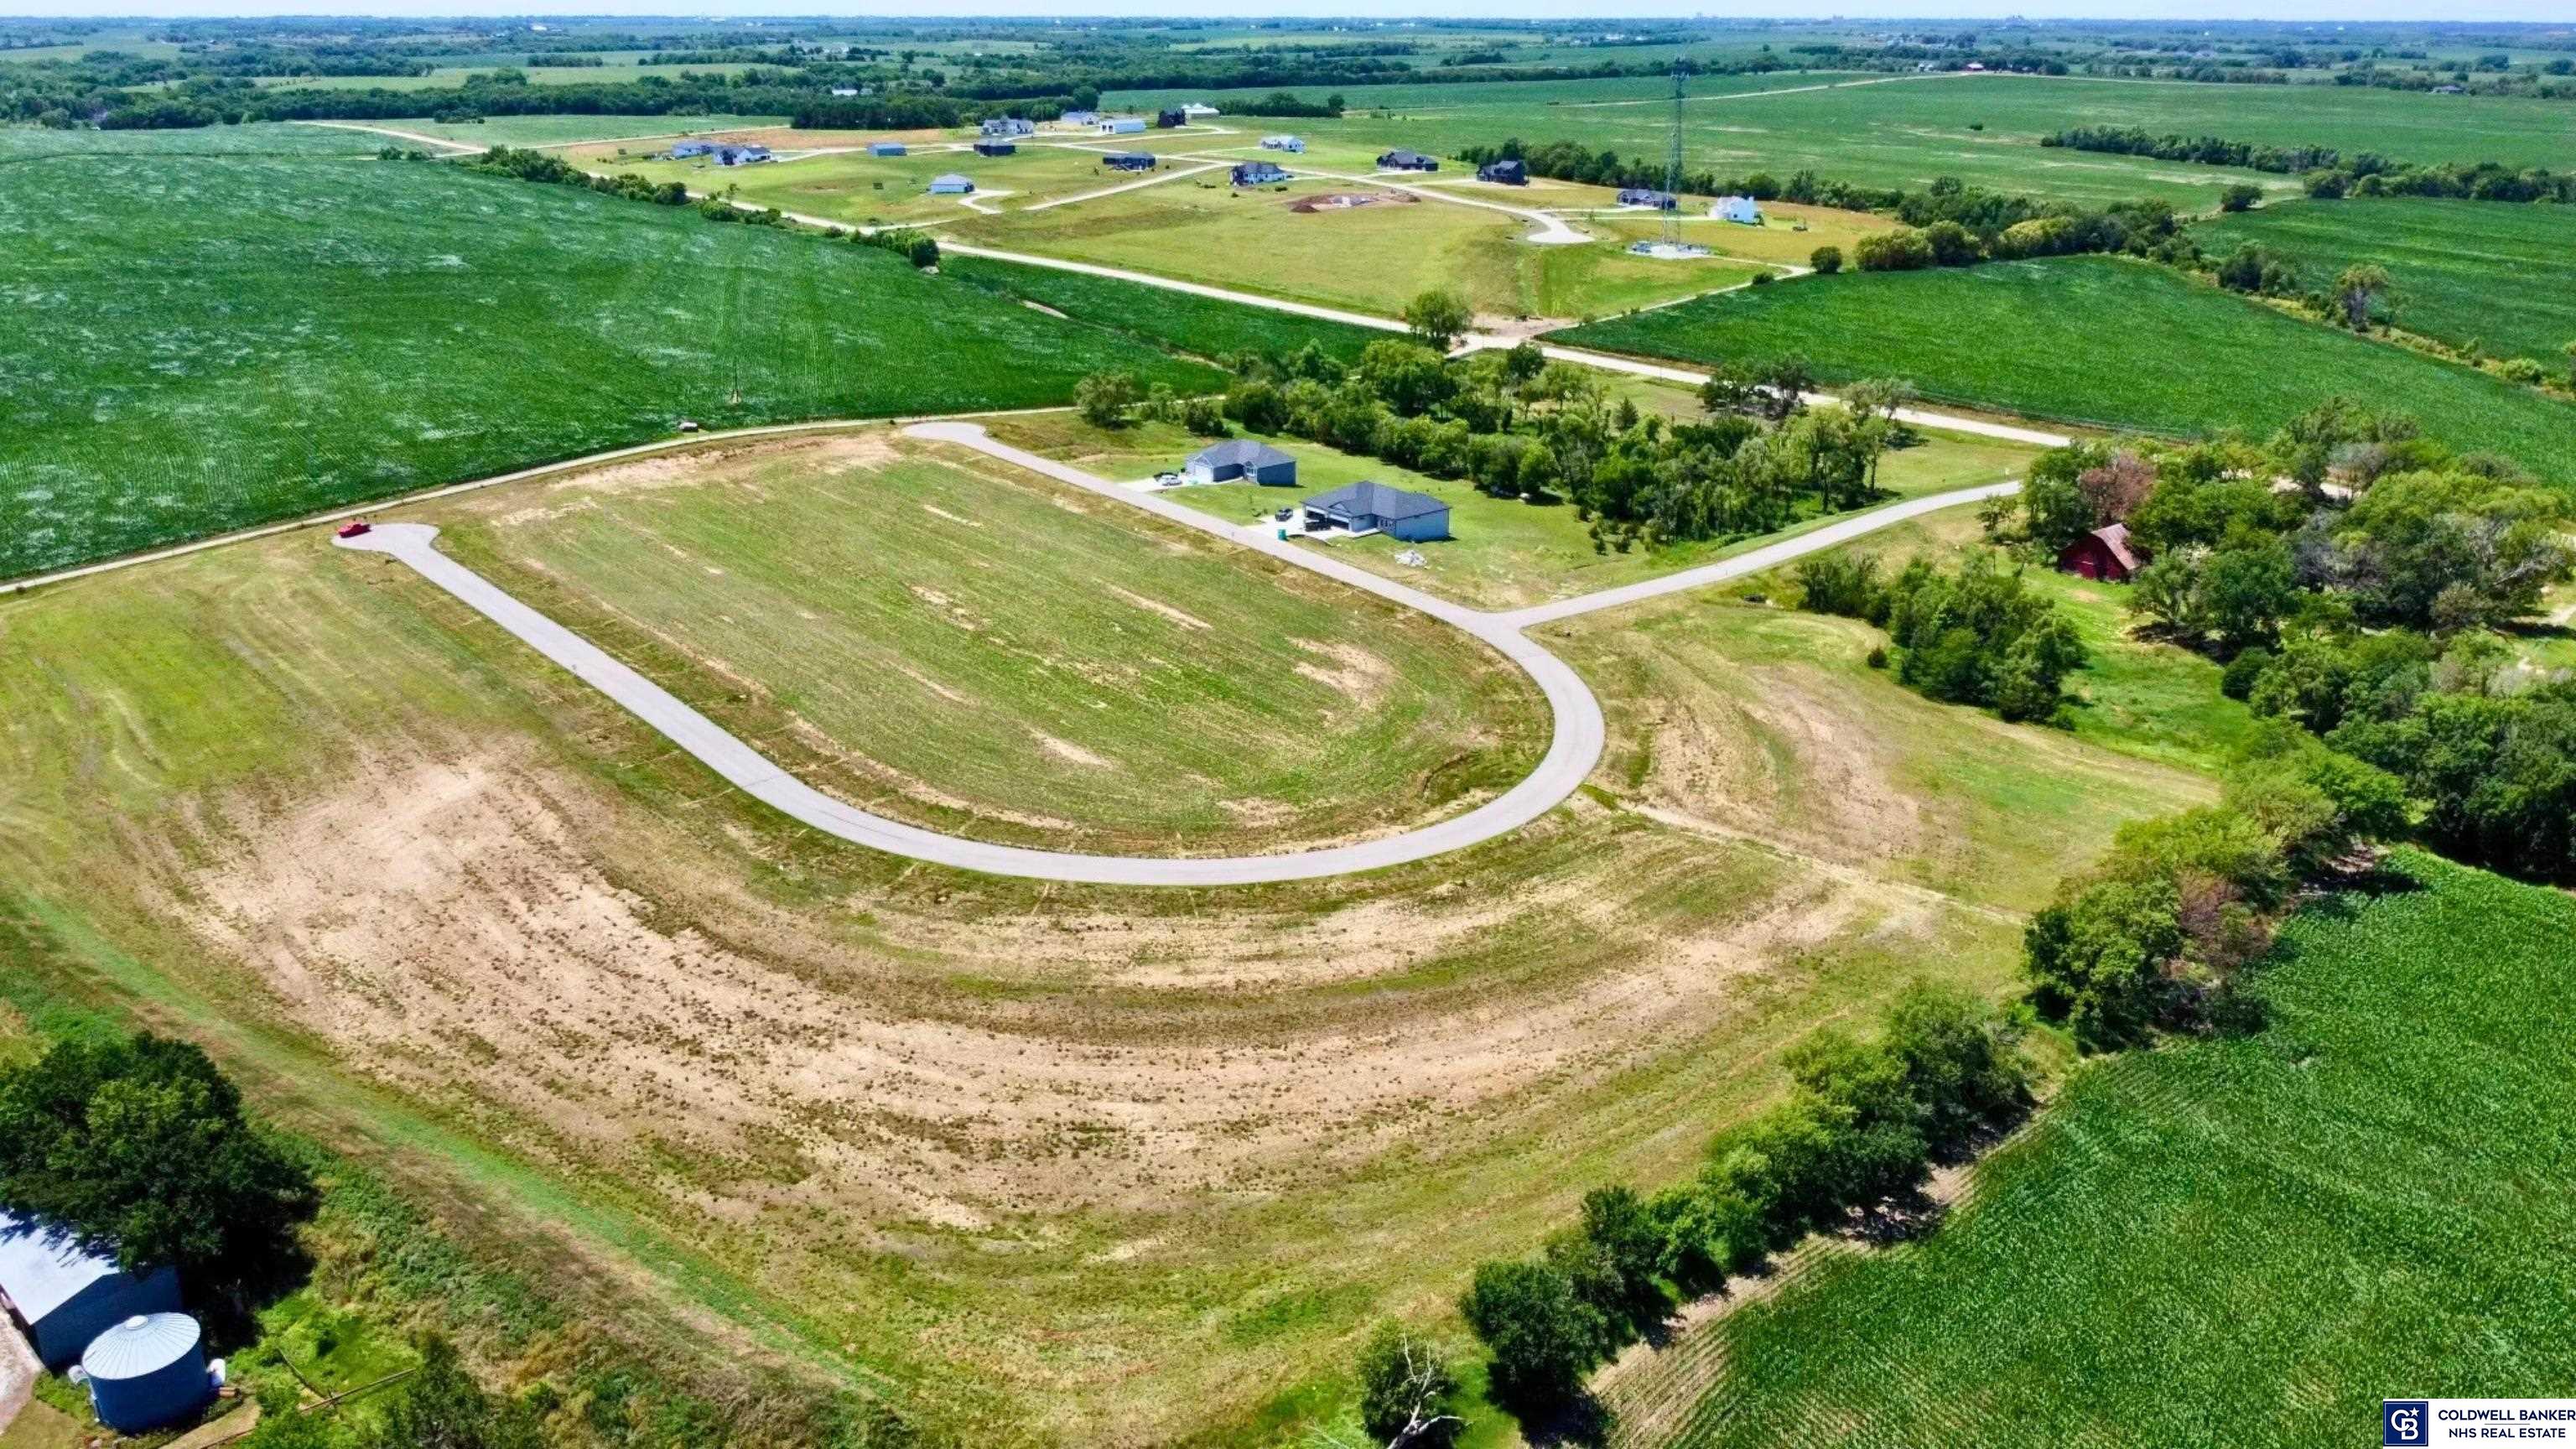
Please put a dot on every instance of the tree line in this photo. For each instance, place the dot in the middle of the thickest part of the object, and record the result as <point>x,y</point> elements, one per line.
<point>2330,174</point>
<point>544,167</point>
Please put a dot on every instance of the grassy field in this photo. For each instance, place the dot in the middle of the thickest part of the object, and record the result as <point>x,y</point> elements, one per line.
<point>2501,276</point>
<point>1982,129</point>
<point>2097,340</point>
<point>1199,326</point>
<point>1507,554</point>
<point>987,653</point>
<point>572,130</point>
<point>1047,1165</point>
<point>202,341</point>
<point>874,190</point>
<point>2267,1232</point>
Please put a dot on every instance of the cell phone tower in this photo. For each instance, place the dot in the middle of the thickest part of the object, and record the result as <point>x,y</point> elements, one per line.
<point>1673,163</point>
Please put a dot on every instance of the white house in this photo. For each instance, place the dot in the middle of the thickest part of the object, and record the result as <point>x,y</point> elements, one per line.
<point>1296,144</point>
<point>1740,209</point>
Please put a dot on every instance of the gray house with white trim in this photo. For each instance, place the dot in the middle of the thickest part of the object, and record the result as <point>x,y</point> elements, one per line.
<point>1377,508</point>
<point>1240,458</point>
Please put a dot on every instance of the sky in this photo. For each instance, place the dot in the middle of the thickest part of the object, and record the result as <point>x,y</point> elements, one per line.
<point>2301,10</point>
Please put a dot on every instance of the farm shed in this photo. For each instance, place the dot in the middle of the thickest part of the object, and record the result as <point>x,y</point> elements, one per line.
<point>888,148</point>
<point>1130,161</point>
<point>1647,196</point>
<point>1257,173</point>
<point>1375,507</point>
<point>1122,125</point>
<point>1079,118</point>
<point>995,148</point>
<point>951,184</point>
<point>1402,160</point>
<point>1507,173</point>
<point>1241,458</point>
<point>1741,209</point>
<point>1293,144</point>
<point>2103,554</point>
<point>147,1371</point>
<point>63,1294</point>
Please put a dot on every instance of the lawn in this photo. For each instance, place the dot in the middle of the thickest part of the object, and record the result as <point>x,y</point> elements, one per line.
<point>1984,129</point>
<point>978,650</point>
<point>1044,1165</point>
<point>869,190</point>
<point>1507,554</point>
<point>2266,1232</point>
<point>2096,340</point>
<point>201,342</point>
<point>2498,275</point>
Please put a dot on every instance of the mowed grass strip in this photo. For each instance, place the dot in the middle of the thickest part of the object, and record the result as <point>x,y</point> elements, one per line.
<point>201,342</point>
<point>989,653</point>
<point>2266,1232</point>
<point>2096,340</point>
<point>2500,275</point>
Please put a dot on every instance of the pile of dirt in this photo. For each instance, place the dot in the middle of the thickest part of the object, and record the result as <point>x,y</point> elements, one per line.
<point>1345,200</point>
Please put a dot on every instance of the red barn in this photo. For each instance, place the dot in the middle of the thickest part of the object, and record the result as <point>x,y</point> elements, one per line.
<point>2102,554</point>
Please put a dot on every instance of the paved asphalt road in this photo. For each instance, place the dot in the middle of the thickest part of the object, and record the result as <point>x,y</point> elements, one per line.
<point>1571,752</point>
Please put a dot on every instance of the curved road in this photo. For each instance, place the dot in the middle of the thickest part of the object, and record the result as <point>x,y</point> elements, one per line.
<point>1572,750</point>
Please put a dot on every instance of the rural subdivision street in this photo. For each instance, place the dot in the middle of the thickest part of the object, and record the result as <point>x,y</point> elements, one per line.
<point>1574,745</point>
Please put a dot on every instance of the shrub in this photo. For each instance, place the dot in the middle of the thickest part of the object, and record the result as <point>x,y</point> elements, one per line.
<point>1901,250</point>
<point>1826,260</point>
<point>2240,196</point>
<point>1405,1391</point>
<point>2236,681</point>
<point>1104,398</point>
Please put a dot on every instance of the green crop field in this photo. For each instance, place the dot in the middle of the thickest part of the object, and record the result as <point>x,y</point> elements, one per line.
<point>2267,1232</point>
<point>2096,340</point>
<point>573,130</point>
<point>2500,275</point>
<point>198,342</point>
<point>1982,129</point>
<point>1092,679</point>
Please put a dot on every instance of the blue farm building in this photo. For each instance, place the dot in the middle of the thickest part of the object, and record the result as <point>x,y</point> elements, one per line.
<point>64,1294</point>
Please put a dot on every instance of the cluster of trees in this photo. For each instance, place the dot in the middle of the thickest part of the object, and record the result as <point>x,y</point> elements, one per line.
<point>2361,581</point>
<point>917,247</point>
<point>140,1145</point>
<point>1855,1140</point>
<point>1979,636</point>
<point>2328,172</point>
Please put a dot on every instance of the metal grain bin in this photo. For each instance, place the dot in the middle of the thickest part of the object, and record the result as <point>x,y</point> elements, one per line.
<point>147,1371</point>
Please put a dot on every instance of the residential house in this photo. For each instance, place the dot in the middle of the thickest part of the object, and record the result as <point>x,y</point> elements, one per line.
<point>951,184</point>
<point>1130,161</point>
<point>1259,173</point>
<point>1505,173</point>
<point>1239,458</point>
<point>1742,210</point>
<point>1293,144</point>
<point>1171,118</point>
<point>683,150</point>
<point>1401,160</point>
<point>741,155</point>
<point>995,148</point>
<point>1006,127</point>
<point>1377,508</point>
<point>1648,196</point>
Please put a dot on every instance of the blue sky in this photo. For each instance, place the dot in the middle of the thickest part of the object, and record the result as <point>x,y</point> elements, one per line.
<point>2303,10</point>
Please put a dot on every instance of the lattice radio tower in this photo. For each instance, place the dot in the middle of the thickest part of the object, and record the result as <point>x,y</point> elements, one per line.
<point>1673,164</point>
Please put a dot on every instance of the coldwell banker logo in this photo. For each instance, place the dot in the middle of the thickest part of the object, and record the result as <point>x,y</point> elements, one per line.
<point>2405,1421</point>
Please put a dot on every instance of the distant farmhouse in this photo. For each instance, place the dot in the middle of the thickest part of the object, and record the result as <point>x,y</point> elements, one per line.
<point>1130,161</point>
<point>1742,210</point>
<point>1122,125</point>
<point>1241,458</point>
<point>888,148</point>
<point>1005,127</point>
<point>1258,173</point>
<point>1506,173</point>
<point>1377,508</point>
<point>995,148</point>
<point>66,1294</point>
<point>1647,196</point>
<point>741,155</point>
<point>951,184</point>
<point>845,92</point>
<point>1406,161</point>
<point>1295,144</point>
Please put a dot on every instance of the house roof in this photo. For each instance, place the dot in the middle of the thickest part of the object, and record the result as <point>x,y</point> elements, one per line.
<point>951,179</point>
<point>1401,158</point>
<point>2116,539</point>
<point>1377,500</point>
<point>42,1268</point>
<point>1242,451</point>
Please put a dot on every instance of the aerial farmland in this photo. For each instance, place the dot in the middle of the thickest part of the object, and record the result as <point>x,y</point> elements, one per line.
<point>861,732</point>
